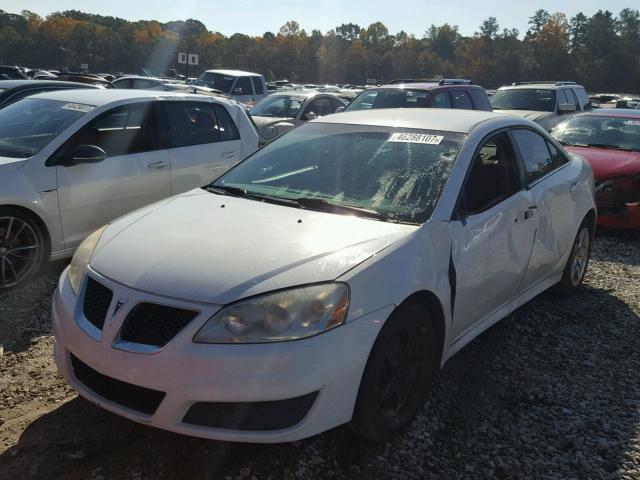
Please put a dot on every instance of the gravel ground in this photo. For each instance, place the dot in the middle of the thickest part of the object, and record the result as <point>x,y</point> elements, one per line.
<point>551,392</point>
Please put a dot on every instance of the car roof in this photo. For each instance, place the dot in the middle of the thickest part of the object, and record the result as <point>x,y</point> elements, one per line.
<point>137,77</point>
<point>451,120</point>
<point>102,97</point>
<point>300,93</point>
<point>614,112</point>
<point>542,86</point>
<point>7,84</point>
<point>234,73</point>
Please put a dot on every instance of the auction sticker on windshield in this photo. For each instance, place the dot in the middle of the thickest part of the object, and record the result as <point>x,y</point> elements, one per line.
<point>416,138</point>
<point>78,107</point>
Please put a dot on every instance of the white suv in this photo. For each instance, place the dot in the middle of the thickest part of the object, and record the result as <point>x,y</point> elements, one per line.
<point>245,87</point>
<point>72,161</point>
<point>546,103</point>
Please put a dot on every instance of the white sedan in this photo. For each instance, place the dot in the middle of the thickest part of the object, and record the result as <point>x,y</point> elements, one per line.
<point>71,161</point>
<point>325,278</point>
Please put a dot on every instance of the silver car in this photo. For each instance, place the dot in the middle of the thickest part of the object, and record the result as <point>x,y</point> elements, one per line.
<point>280,112</point>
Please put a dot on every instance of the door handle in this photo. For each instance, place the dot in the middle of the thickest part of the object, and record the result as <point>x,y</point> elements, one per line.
<point>530,212</point>
<point>158,165</point>
<point>573,187</point>
<point>228,154</point>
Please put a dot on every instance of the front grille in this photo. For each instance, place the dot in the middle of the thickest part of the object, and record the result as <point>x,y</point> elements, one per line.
<point>153,324</point>
<point>140,399</point>
<point>97,299</point>
<point>255,416</point>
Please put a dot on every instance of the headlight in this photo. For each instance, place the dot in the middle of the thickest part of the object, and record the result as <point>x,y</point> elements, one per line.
<point>81,259</point>
<point>279,316</point>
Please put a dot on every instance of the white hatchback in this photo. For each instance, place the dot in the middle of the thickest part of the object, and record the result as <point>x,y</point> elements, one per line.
<point>71,161</point>
<point>325,278</point>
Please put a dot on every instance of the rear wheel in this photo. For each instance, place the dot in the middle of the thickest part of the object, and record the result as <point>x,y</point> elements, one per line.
<point>576,267</point>
<point>398,374</point>
<point>22,248</point>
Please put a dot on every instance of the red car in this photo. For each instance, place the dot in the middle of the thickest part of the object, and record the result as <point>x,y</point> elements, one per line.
<point>610,141</point>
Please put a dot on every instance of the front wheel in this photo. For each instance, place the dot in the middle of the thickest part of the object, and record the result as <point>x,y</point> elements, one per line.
<point>22,248</point>
<point>576,267</point>
<point>397,376</point>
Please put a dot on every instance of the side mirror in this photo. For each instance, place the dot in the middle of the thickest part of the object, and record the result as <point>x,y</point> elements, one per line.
<point>310,116</point>
<point>237,91</point>
<point>85,154</point>
<point>567,107</point>
<point>339,109</point>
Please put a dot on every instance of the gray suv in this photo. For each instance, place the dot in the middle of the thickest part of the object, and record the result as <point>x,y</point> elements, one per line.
<point>546,103</point>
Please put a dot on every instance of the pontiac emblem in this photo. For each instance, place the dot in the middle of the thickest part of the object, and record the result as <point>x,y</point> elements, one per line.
<point>119,304</point>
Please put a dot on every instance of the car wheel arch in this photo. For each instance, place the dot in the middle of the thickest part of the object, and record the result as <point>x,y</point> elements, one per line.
<point>432,303</point>
<point>36,218</point>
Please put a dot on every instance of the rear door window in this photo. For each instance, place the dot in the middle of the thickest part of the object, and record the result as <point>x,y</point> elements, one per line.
<point>535,154</point>
<point>480,99</point>
<point>191,123</point>
<point>226,127</point>
<point>583,98</point>
<point>461,99</point>
<point>257,85</point>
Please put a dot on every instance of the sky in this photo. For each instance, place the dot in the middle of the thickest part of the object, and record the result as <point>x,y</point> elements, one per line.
<point>254,17</point>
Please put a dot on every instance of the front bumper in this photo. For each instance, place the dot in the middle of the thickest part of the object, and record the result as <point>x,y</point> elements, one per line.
<point>330,364</point>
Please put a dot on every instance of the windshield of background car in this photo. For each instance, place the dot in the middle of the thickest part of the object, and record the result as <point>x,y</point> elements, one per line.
<point>28,125</point>
<point>617,132</point>
<point>216,80</point>
<point>389,98</point>
<point>399,173</point>
<point>279,106</point>
<point>537,99</point>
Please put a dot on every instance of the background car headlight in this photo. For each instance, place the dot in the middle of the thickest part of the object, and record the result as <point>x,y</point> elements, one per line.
<point>81,259</point>
<point>285,315</point>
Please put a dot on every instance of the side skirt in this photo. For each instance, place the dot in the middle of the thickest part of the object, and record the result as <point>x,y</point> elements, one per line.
<point>499,314</point>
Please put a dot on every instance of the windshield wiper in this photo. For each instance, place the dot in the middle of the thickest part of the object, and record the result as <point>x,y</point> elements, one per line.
<point>242,193</point>
<point>614,147</point>
<point>319,204</point>
<point>568,144</point>
<point>324,205</point>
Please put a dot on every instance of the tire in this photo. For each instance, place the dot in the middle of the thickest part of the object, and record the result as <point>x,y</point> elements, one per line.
<point>23,248</point>
<point>577,263</point>
<point>397,376</point>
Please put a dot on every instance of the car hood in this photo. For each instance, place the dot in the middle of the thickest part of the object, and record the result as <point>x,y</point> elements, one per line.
<point>9,165</point>
<point>532,115</point>
<point>606,162</point>
<point>216,249</point>
<point>262,122</point>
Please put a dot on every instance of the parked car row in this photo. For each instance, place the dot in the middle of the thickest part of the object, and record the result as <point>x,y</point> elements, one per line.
<point>226,291</point>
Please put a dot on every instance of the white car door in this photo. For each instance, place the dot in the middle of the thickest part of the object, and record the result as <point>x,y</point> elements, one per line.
<point>204,143</point>
<point>493,238</point>
<point>553,189</point>
<point>135,172</point>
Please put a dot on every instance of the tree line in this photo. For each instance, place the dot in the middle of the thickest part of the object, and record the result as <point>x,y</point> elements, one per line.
<point>601,51</point>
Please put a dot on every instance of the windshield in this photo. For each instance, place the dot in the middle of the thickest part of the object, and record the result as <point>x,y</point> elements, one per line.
<point>28,125</point>
<point>216,80</point>
<point>389,98</point>
<point>279,106</point>
<point>601,131</point>
<point>537,99</point>
<point>398,173</point>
